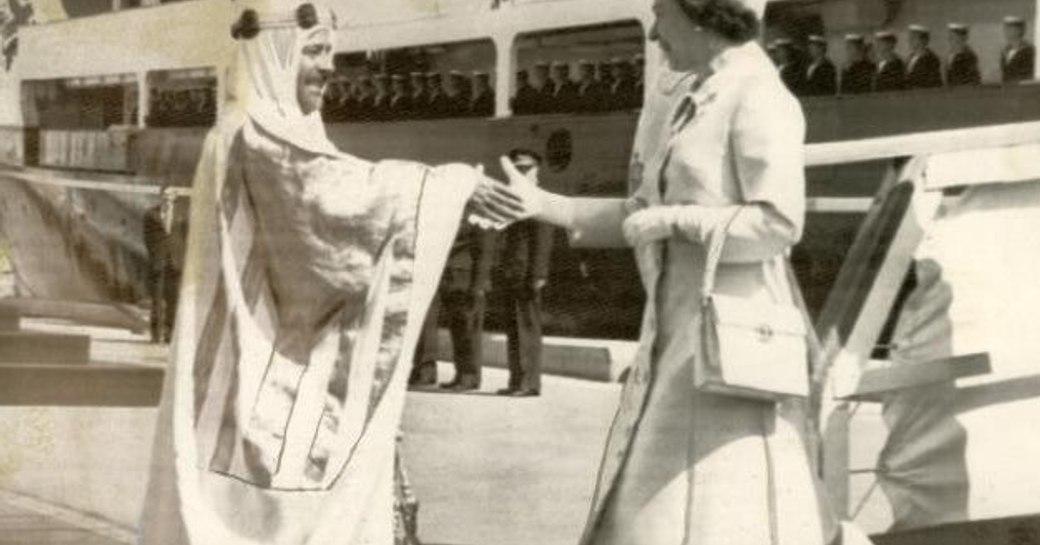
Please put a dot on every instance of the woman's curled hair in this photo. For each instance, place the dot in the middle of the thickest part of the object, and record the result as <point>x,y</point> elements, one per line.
<point>727,18</point>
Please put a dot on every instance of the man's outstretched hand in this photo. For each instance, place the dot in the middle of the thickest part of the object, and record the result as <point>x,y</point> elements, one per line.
<point>496,205</point>
<point>493,204</point>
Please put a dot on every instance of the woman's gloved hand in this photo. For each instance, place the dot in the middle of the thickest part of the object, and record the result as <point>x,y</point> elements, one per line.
<point>650,225</point>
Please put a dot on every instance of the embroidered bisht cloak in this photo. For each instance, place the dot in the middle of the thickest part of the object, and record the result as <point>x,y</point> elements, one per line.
<point>307,278</point>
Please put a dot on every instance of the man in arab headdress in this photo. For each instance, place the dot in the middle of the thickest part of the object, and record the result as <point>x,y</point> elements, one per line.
<point>307,276</point>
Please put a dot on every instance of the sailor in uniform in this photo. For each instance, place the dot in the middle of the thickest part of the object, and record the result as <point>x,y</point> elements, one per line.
<point>483,102</point>
<point>565,91</point>
<point>591,96</point>
<point>923,68</point>
<point>891,71</point>
<point>526,97</point>
<point>400,103</point>
<point>821,77</point>
<point>790,69</point>
<point>962,68</point>
<point>621,94</point>
<point>436,101</point>
<point>1017,60</point>
<point>857,76</point>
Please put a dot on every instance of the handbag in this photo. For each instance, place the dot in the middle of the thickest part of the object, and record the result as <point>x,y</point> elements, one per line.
<point>749,348</point>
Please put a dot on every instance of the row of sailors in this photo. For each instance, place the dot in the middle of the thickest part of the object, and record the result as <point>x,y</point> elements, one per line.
<point>420,96</point>
<point>183,108</point>
<point>922,70</point>
<point>607,86</point>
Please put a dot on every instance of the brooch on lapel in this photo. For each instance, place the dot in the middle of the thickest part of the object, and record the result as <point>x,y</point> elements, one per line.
<point>692,105</point>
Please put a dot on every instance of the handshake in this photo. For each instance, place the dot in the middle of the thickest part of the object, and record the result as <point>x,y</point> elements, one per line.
<point>497,205</point>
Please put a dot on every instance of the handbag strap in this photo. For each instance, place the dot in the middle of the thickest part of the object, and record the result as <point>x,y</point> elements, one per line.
<point>716,241</point>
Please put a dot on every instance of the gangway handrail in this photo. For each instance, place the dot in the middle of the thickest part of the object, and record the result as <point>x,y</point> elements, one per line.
<point>922,143</point>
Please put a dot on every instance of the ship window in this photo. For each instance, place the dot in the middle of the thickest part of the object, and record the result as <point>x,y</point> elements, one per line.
<point>182,98</point>
<point>433,81</point>
<point>579,70</point>
<point>92,102</point>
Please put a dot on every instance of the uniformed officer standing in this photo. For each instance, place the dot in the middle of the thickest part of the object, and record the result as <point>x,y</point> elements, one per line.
<point>464,287</point>
<point>417,82</point>
<point>891,71</point>
<point>1017,60</point>
<point>639,67</point>
<point>622,92</point>
<point>963,65</point>
<point>591,95</point>
<point>604,75</point>
<point>483,102</point>
<point>163,239</point>
<point>565,91</point>
<point>858,74</point>
<point>364,98</point>
<point>380,109</point>
<point>543,84</point>
<point>458,94</point>
<point>522,274</point>
<point>821,77</point>
<point>790,67</point>
<point>436,101</point>
<point>400,104</point>
<point>923,68</point>
<point>526,98</point>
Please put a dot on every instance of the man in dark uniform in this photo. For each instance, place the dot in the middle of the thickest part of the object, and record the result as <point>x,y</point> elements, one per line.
<point>591,96</point>
<point>464,287</point>
<point>923,68</point>
<point>522,274</point>
<point>542,83</point>
<point>621,94</point>
<point>821,77</point>
<point>772,51</point>
<point>791,71</point>
<point>483,102</point>
<point>380,110</point>
<point>1017,60</point>
<point>565,91</point>
<point>891,71</point>
<point>400,104</point>
<point>525,101</point>
<point>857,76</point>
<point>604,75</point>
<point>364,98</point>
<point>164,240</point>
<point>418,85</point>
<point>436,100</point>
<point>963,65</point>
<point>639,67</point>
<point>457,95</point>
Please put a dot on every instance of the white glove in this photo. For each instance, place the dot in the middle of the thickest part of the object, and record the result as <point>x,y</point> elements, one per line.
<point>651,224</point>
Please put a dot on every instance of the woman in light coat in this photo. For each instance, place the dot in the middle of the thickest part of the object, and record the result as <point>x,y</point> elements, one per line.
<point>683,466</point>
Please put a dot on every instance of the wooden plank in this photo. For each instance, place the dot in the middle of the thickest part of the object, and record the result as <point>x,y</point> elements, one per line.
<point>114,315</point>
<point>24,347</point>
<point>924,143</point>
<point>874,382</point>
<point>1023,530</point>
<point>94,385</point>
<point>984,166</point>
